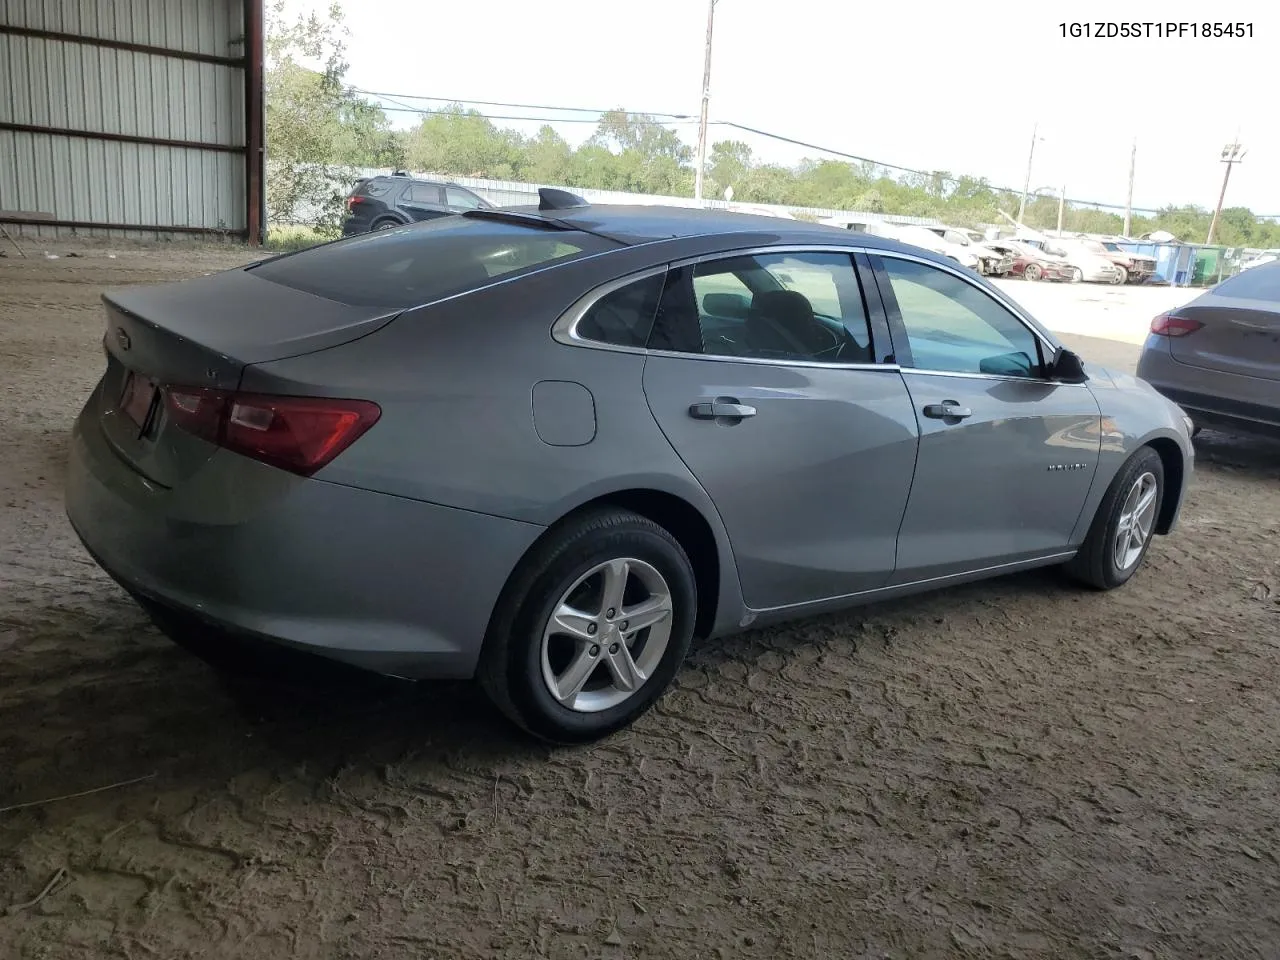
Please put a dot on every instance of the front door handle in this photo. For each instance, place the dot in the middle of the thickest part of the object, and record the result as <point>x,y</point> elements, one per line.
<point>727,408</point>
<point>947,410</point>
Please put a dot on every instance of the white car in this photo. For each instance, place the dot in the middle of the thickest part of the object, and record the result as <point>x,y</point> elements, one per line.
<point>991,262</point>
<point>926,238</point>
<point>1086,265</point>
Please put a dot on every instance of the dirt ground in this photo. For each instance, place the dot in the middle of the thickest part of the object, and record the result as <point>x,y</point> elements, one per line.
<point>1010,769</point>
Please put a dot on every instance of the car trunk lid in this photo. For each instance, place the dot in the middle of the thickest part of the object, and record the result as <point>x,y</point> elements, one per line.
<point>1235,336</point>
<point>202,333</point>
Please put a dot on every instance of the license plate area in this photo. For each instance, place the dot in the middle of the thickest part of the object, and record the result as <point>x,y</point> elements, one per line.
<point>138,399</point>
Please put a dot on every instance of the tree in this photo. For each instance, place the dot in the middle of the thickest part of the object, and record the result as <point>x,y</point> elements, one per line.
<point>458,141</point>
<point>313,121</point>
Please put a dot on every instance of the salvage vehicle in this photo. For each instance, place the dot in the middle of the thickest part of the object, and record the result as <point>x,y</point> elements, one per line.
<point>1133,267</point>
<point>1032,264</point>
<point>547,447</point>
<point>991,262</point>
<point>1084,265</point>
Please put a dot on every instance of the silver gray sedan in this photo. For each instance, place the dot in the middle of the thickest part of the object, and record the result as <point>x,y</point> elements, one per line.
<point>1219,355</point>
<point>549,447</point>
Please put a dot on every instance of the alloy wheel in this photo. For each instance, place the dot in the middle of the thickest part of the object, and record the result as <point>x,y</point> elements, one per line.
<point>1136,521</point>
<point>606,635</point>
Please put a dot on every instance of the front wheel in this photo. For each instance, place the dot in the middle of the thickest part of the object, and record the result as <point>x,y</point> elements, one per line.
<point>1033,272</point>
<point>592,628</point>
<point>1122,277</point>
<point>1123,527</point>
<point>1077,275</point>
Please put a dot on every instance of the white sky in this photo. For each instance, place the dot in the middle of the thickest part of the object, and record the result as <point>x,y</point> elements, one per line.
<point>922,83</point>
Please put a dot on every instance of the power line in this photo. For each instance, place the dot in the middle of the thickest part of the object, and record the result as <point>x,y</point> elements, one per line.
<point>520,106</point>
<point>681,119</point>
<point>495,116</point>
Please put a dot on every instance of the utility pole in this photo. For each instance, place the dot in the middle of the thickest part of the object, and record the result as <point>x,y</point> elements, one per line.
<point>1128,204</point>
<point>1232,154</point>
<point>1062,203</point>
<point>706,102</point>
<point>1026,184</point>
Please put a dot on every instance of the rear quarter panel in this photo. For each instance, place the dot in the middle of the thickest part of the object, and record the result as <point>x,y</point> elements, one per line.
<point>455,382</point>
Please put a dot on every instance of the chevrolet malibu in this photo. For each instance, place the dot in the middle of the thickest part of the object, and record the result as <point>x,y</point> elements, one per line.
<point>549,447</point>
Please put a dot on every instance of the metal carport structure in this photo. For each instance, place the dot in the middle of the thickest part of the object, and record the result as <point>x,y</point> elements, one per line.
<point>132,117</point>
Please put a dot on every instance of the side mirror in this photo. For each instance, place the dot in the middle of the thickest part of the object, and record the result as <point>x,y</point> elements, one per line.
<point>1067,367</point>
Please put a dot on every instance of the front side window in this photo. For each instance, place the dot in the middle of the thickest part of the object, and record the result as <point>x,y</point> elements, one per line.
<point>954,326</point>
<point>786,306</point>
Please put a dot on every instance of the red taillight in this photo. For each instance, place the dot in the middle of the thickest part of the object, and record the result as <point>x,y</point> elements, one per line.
<point>1167,325</point>
<point>352,201</point>
<point>299,434</point>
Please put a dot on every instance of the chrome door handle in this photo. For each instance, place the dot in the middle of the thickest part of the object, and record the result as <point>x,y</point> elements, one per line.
<point>947,410</point>
<point>721,408</point>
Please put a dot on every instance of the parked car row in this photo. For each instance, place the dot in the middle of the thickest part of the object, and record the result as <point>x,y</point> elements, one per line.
<point>1028,254</point>
<point>1129,267</point>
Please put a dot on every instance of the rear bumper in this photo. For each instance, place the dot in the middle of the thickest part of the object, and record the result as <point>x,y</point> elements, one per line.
<point>391,585</point>
<point>1212,398</point>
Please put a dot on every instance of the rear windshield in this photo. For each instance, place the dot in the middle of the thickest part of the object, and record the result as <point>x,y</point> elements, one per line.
<point>426,261</point>
<point>1257,283</point>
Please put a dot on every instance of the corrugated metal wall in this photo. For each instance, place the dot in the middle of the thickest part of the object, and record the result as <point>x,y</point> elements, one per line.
<point>192,96</point>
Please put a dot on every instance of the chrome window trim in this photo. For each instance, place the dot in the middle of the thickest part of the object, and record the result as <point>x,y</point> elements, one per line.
<point>565,329</point>
<point>963,375</point>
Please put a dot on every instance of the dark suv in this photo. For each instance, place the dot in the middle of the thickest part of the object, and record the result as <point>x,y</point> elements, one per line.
<point>392,201</point>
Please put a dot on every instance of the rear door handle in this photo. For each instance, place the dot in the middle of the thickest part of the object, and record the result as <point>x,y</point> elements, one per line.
<point>722,407</point>
<point>947,410</point>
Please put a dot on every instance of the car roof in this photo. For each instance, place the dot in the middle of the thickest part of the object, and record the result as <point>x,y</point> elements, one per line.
<point>407,178</point>
<point>645,224</point>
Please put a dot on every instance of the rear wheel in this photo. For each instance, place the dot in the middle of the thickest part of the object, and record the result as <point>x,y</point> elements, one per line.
<point>1076,275</point>
<point>387,224</point>
<point>592,628</point>
<point>1123,527</point>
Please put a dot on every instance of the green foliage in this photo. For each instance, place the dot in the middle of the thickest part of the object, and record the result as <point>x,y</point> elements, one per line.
<point>316,126</point>
<point>313,122</point>
<point>289,238</point>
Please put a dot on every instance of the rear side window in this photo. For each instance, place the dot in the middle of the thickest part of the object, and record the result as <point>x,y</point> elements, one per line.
<point>624,317</point>
<point>423,193</point>
<point>427,261</point>
<point>792,306</point>
<point>374,188</point>
<point>1257,283</point>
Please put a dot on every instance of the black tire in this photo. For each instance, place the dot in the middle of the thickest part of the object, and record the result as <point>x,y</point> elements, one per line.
<point>386,224</point>
<point>1095,564</point>
<point>1032,272</point>
<point>1123,278</point>
<point>1077,275</point>
<point>510,668</point>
